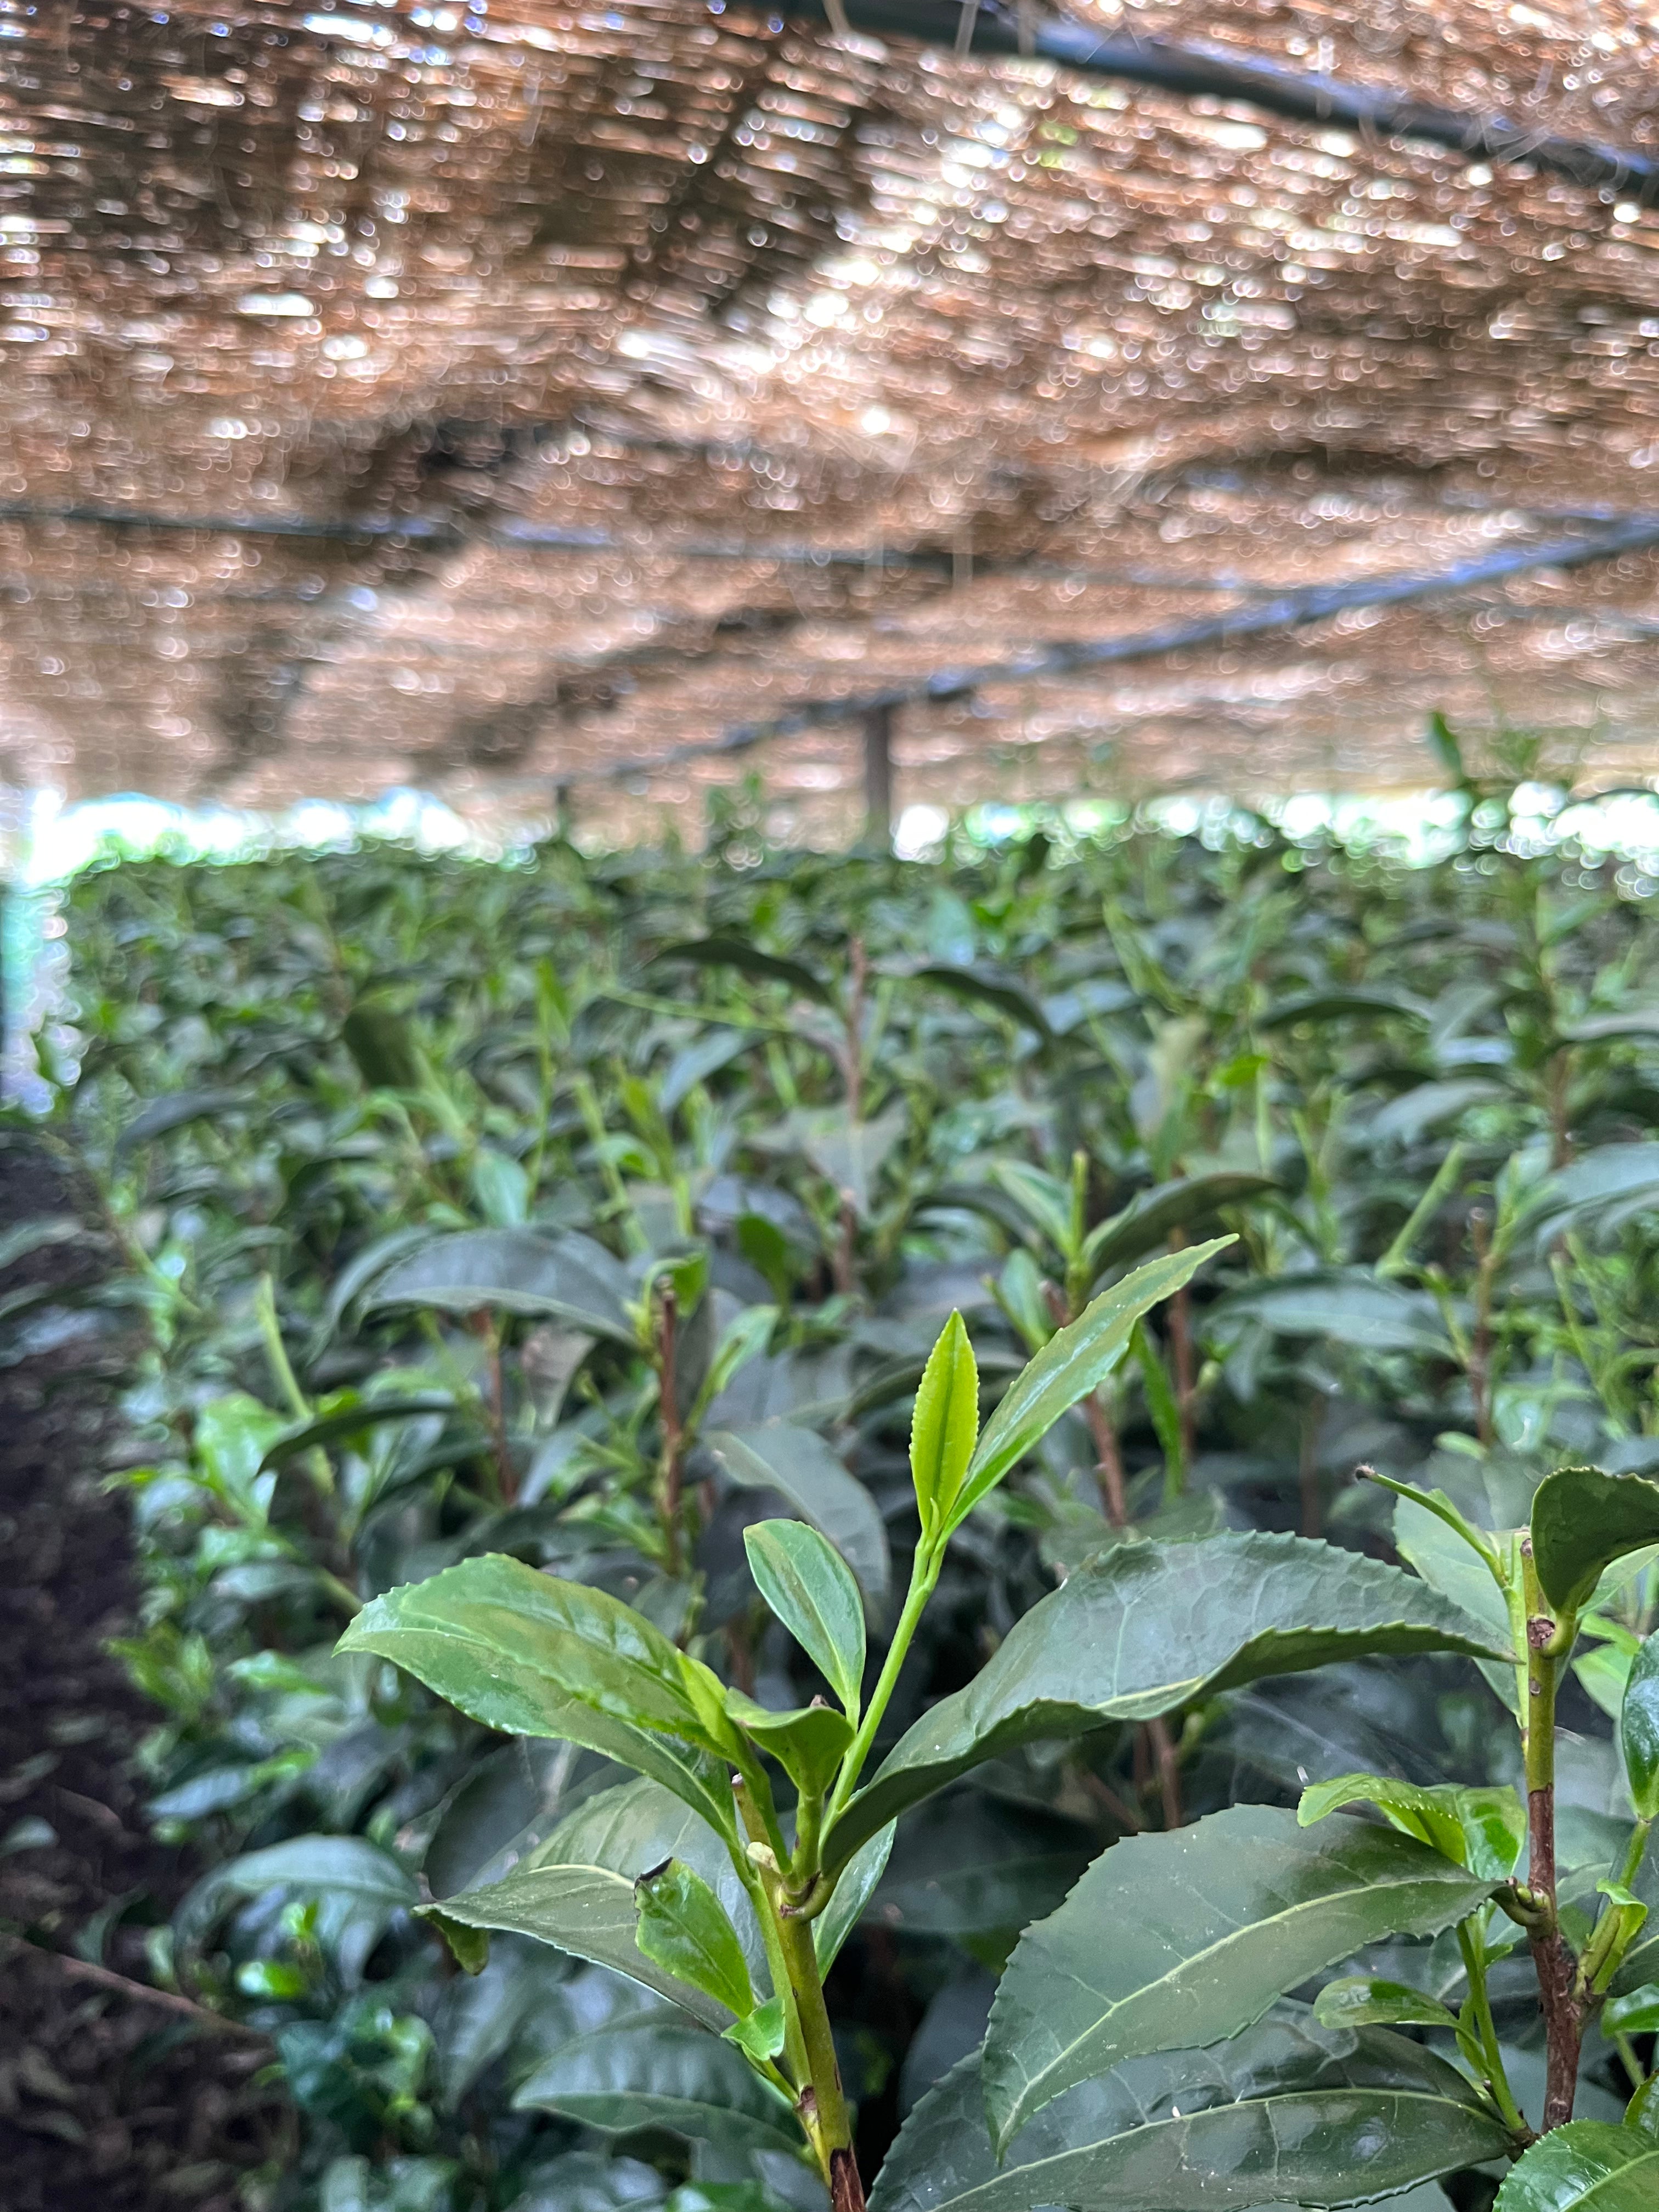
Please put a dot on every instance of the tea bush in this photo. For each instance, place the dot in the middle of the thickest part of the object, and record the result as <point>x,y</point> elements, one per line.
<point>602,1216</point>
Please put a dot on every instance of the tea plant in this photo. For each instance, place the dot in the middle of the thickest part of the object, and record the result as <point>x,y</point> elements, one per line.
<point>597,1214</point>
<point>1170,1944</point>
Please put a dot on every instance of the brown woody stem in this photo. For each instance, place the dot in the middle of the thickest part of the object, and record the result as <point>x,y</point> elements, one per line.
<point>1563,2015</point>
<point>1166,1760</point>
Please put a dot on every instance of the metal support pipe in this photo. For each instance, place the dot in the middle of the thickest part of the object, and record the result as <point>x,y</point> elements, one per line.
<point>1225,73</point>
<point>1290,610</point>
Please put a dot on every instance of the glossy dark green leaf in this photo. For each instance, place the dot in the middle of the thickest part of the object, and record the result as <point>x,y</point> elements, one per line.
<point>1171,1941</point>
<point>977,987</point>
<point>1638,1729</point>
<point>1287,2114</point>
<point>943,1426</point>
<point>1357,2001</point>
<point>748,960</point>
<point>1598,1029</point>
<point>1588,2165</point>
<point>173,1111</point>
<point>634,1826</point>
<point>1074,1362</point>
<point>1582,1521</point>
<point>1352,1309</point>
<point>531,1655</point>
<point>356,1888</point>
<point>1152,1216</point>
<point>657,2073</point>
<point>809,1588</point>
<point>855,1885</point>
<point>1324,1007</point>
<point>802,1469</point>
<point>39,1235</point>
<point>513,1271</point>
<point>1635,2014</point>
<point>352,1421</point>
<point>1603,1189</point>
<point>379,1040</point>
<point>1153,1627</point>
<point>969,1865</point>
<point>683,1928</point>
<point>585,1911</point>
<point>576,1890</point>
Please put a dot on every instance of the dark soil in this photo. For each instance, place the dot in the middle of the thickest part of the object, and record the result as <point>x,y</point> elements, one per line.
<point>109,2098</point>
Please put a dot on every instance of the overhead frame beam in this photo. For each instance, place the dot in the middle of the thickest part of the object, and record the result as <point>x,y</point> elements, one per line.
<point>1223,73</point>
<point>1289,611</point>
<point>511,536</point>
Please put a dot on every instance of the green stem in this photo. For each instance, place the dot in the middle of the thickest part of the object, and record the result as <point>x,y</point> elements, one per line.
<point>1397,1260</point>
<point>589,1104</point>
<point>1497,2080</point>
<point>1627,2057</point>
<point>1547,1639</point>
<point>830,2123</point>
<point>299,1405</point>
<point>1639,1843</point>
<point>1599,1960</point>
<point>265,1306</point>
<point>809,1826</point>
<point>924,1574</point>
<point>771,1929</point>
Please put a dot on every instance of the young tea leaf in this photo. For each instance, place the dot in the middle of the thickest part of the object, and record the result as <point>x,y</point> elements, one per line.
<point>854,1887</point>
<point>807,1743</point>
<point>943,1427</point>
<point>1583,1520</point>
<point>683,1928</point>
<point>1480,1828</point>
<point>809,1588</point>
<point>1071,1365</point>
<point>759,2034</point>
<point>802,1469</point>
<point>1638,1729</point>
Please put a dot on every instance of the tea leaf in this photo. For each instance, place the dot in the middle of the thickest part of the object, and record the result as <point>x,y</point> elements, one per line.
<point>1072,1364</point>
<point>683,1928</point>
<point>943,1426</point>
<point>808,1588</point>
<point>1583,1520</point>
<point>1287,2114</point>
<point>1148,1629</point>
<point>1588,2165</point>
<point>1175,1939</point>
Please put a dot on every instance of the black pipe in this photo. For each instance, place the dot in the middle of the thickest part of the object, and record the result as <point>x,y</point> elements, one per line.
<point>1223,73</point>
<point>1291,610</point>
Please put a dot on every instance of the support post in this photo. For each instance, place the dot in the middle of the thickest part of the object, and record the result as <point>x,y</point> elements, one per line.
<point>878,777</point>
